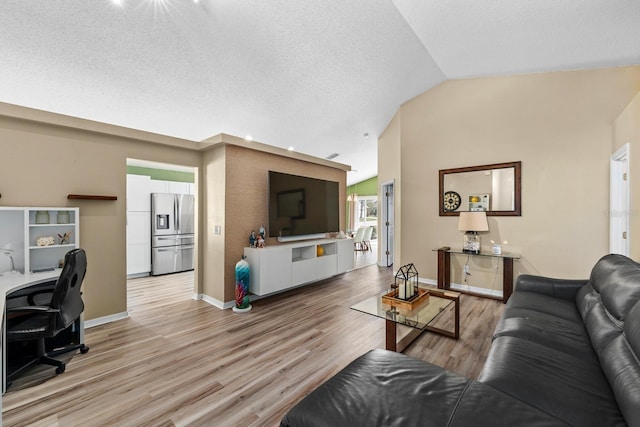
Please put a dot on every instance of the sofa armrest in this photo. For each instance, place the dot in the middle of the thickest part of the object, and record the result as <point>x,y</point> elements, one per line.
<point>383,388</point>
<point>559,288</point>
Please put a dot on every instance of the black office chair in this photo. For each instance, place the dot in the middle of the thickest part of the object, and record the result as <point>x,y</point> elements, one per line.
<point>38,321</point>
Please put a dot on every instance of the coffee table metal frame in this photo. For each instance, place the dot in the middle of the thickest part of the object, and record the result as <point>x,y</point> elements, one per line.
<point>419,319</point>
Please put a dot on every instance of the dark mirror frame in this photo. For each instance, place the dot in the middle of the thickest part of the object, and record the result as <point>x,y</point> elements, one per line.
<point>517,190</point>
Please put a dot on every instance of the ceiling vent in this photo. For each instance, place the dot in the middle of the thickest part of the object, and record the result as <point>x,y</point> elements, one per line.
<point>332,156</point>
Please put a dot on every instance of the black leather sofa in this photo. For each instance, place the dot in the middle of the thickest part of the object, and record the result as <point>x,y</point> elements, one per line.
<point>565,352</point>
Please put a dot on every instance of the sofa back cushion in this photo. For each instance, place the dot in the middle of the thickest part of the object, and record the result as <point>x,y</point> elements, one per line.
<point>617,279</point>
<point>610,307</point>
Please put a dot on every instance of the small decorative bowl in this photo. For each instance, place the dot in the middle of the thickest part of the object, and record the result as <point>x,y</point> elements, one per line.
<point>45,241</point>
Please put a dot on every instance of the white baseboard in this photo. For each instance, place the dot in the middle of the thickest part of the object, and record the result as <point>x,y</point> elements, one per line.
<point>137,275</point>
<point>430,282</point>
<point>219,304</point>
<point>465,288</point>
<point>476,290</point>
<point>214,302</point>
<point>105,319</point>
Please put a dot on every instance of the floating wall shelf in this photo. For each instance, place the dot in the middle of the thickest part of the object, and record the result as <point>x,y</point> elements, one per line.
<point>90,197</point>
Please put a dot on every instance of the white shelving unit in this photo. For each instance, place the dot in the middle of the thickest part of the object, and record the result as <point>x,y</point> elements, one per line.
<point>276,268</point>
<point>20,231</point>
<point>51,256</point>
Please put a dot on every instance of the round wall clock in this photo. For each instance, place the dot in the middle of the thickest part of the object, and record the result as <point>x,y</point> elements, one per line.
<point>451,201</point>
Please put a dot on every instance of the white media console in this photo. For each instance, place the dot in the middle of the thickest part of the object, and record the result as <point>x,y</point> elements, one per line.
<point>276,268</point>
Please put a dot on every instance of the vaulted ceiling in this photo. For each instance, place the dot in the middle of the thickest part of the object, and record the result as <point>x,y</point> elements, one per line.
<point>313,75</point>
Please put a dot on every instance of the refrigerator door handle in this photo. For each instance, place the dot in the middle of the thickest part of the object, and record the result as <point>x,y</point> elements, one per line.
<point>175,214</point>
<point>179,211</point>
<point>167,250</point>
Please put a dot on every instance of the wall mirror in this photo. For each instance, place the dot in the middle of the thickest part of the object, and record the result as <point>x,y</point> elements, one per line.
<point>491,188</point>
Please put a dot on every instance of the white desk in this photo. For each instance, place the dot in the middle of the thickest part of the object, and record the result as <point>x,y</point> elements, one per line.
<point>12,283</point>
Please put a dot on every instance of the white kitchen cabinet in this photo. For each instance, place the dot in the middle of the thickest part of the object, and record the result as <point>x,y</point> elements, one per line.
<point>159,186</point>
<point>178,187</point>
<point>139,188</point>
<point>138,193</point>
<point>174,187</point>
<point>138,243</point>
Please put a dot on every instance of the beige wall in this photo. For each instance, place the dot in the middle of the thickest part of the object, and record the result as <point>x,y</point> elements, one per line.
<point>213,194</point>
<point>389,165</point>
<point>560,125</point>
<point>44,157</point>
<point>627,130</point>
<point>41,164</point>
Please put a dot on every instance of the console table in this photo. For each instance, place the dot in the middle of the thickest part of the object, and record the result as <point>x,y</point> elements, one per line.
<point>444,268</point>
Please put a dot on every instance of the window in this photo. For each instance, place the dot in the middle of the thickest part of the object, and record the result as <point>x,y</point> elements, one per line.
<point>368,210</point>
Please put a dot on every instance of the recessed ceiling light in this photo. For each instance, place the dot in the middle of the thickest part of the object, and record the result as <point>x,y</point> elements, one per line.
<point>366,135</point>
<point>290,148</point>
<point>332,156</point>
<point>248,137</point>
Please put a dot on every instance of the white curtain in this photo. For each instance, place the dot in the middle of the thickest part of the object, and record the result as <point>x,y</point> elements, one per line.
<point>353,213</point>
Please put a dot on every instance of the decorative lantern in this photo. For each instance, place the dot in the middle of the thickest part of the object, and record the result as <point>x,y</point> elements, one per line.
<point>407,282</point>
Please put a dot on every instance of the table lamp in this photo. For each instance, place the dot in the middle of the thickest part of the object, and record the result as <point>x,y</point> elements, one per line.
<point>471,223</point>
<point>8,251</point>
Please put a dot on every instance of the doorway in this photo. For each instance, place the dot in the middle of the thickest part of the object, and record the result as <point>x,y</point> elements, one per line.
<point>619,202</point>
<point>145,178</point>
<point>387,225</point>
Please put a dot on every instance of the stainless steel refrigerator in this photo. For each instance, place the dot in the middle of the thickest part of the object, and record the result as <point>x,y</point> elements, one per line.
<point>172,238</point>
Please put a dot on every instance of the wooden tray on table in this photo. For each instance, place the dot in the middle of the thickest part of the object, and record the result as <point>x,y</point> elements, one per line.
<point>392,299</point>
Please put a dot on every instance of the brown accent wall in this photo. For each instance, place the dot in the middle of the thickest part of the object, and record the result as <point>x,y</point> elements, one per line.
<point>246,200</point>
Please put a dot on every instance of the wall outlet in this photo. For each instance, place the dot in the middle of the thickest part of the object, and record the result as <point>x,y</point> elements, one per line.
<point>217,229</point>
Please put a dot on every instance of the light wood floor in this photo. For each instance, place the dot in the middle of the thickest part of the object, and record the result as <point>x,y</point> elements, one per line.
<point>366,258</point>
<point>182,362</point>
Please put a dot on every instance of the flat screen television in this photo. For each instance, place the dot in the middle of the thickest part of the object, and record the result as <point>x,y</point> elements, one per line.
<point>301,206</point>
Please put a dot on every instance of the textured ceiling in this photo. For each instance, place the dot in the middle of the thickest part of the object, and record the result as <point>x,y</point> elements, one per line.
<point>314,75</point>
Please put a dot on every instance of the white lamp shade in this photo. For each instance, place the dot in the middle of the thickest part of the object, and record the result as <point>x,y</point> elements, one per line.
<point>473,221</point>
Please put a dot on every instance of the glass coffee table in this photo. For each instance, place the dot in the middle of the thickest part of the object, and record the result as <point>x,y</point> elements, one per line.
<point>419,319</point>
